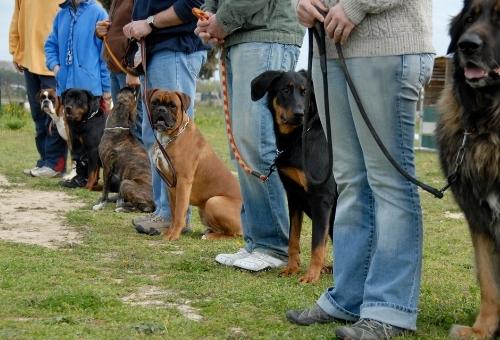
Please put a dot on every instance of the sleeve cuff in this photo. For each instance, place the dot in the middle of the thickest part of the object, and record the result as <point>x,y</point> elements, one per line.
<point>51,65</point>
<point>353,10</point>
<point>227,20</point>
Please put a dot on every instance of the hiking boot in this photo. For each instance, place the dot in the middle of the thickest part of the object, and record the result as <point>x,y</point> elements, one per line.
<point>76,182</point>
<point>45,172</point>
<point>229,259</point>
<point>306,317</point>
<point>367,329</point>
<point>258,261</point>
<point>153,225</point>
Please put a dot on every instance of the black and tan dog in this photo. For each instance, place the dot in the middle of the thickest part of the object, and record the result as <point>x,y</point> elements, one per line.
<point>124,159</point>
<point>470,108</point>
<point>301,177</point>
<point>86,123</point>
<point>202,178</point>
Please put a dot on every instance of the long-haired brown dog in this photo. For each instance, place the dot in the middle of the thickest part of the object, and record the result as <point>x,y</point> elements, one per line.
<point>125,162</point>
<point>471,110</point>
<point>202,178</point>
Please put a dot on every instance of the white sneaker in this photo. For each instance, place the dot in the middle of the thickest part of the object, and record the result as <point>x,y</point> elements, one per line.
<point>28,171</point>
<point>258,261</point>
<point>45,171</point>
<point>229,259</point>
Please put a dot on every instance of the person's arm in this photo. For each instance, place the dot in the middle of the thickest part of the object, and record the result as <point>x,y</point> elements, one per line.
<point>14,37</point>
<point>52,49</point>
<point>356,10</point>
<point>104,71</point>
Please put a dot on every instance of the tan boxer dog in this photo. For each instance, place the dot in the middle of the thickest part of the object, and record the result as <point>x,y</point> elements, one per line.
<point>202,178</point>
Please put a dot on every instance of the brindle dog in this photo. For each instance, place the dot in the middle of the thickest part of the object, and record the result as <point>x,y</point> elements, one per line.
<point>202,178</point>
<point>124,159</point>
<point>471,111</point>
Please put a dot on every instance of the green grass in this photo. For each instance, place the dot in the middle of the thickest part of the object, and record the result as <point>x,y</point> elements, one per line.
<point>76,291</point>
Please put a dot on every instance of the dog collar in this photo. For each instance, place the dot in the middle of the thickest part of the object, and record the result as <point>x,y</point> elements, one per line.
<point>116,128</point>
<point>170,139</point>
<point>92,115</point>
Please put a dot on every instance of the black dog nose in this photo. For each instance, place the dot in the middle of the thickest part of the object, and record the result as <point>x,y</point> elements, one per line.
<point>67,109</point>
<point>470,43</point>
<point>298,114</point>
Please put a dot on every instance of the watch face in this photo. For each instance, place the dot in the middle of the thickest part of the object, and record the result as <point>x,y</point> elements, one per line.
<point>150,20</point>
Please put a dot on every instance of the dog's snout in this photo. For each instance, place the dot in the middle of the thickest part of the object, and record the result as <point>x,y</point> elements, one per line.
<point>67,109</point>
<point>299,114</point>
<point>470,43</point>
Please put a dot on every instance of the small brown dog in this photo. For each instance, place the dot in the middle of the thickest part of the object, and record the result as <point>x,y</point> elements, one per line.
<point>202,178</point>
<point>125,162</point>
<point>50,104</point>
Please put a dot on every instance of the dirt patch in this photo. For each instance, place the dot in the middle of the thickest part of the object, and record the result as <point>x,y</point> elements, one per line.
<point>151,296</point>
<point>35,217</point>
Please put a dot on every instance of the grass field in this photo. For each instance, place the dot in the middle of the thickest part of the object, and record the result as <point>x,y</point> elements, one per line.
<point>118,284</point>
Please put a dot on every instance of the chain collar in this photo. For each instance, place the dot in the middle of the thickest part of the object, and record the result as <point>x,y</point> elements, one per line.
<point>169,139</point>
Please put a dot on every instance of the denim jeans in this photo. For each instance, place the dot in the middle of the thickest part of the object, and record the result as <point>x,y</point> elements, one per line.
<point>51,148</point>
<point>174,71</point>
<point>265,211</point>
<point>117,83</point>
<point>377,233</point>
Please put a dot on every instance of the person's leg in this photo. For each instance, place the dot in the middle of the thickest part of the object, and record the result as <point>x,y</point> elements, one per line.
<point>32,89</point>
<point>173,71</point>
<point>265,213</point>
<point>393,279</point>
<point>56,148</point>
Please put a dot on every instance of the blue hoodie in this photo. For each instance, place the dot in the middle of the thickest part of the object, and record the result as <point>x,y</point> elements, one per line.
<point>73,46</point>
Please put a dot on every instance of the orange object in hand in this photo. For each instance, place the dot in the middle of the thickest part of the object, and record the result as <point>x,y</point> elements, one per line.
<point>200,14</point>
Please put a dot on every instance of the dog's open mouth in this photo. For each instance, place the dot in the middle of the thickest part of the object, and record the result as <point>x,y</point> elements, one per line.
<point>478,76</point>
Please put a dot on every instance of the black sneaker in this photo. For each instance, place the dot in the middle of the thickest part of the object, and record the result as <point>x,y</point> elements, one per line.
<point>75,182</point>
<point>306,317</point>
<point>367,329</point>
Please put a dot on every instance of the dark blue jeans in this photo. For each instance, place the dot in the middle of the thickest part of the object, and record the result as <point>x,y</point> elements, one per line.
<point>51,147</point>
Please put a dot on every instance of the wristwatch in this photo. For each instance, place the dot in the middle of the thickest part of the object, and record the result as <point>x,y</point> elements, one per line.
<point>151,21</point>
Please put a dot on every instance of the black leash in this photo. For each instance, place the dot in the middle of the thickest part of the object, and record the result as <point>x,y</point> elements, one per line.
<point>319,33</point>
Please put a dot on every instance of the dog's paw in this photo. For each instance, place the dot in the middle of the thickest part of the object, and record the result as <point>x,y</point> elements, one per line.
<point>99,206</point>
<point>289,270</point>
<point>310,277</point>
<point>459,332</point>
<point>170,236</point>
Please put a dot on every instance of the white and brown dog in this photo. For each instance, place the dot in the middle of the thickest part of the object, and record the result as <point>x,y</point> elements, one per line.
<point>49,103</point>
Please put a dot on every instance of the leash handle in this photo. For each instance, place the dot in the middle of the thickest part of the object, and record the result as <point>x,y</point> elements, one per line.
<point>436,192</point>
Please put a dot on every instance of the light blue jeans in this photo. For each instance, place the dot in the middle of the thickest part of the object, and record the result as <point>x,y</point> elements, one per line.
<point>174,71</point>
<point>265,212</point>
<point>118,81</point>
<point>377,233</point>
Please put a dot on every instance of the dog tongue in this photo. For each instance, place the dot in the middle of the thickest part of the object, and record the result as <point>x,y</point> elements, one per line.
<point>474,73</point>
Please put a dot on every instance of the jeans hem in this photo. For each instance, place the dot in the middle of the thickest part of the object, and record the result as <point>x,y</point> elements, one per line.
<point>390,315</point>
<point>328,304</point>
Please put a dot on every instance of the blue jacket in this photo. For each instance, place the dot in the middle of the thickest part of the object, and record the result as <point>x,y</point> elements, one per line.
<point>73,46</point>
<point>180,38</point>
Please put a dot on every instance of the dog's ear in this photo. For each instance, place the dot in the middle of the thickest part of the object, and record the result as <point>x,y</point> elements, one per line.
<point>185,100</point>
<point>150,94</point>
<point>457,27</point>
<point>260,84</point>
<point>93,101</point>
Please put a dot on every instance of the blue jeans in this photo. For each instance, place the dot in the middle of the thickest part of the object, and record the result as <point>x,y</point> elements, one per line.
<point>51,148</point>
<point>117,83</point>
<point>174,71</point>
<point>377,233</point>
<point>265,212</point>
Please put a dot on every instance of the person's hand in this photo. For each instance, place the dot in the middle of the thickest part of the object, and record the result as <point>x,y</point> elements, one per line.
<point>107,102</point>
<point>210,31</point>
<point>337,25</point>
<point>131,80</point>
<point>310,11</point>
<point>56,70</point>
<point>137,29</point>
<point>18,67</point>
<point>102,28</point>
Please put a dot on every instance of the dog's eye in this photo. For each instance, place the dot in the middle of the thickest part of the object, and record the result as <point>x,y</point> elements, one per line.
<point>302,92</point>
<point>469,19</point>
<point>286,90</point>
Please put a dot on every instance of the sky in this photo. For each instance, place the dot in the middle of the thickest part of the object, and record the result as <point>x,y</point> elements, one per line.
<point>443,10</point>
